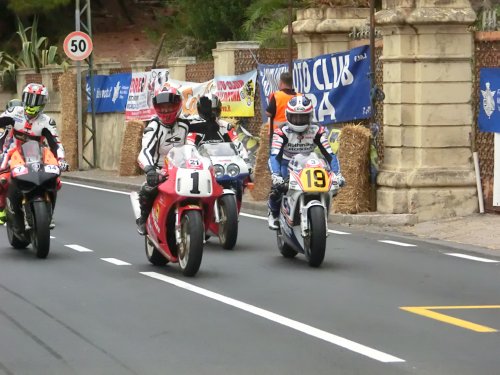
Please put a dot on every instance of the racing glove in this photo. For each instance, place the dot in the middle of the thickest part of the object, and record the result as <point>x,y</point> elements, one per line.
<point>340,179</point>
<point>152,178</point>
<point>277,179</point>
<point>63,165</point>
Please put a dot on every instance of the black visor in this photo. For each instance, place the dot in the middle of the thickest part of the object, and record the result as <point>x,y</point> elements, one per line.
<point>166,97</point>
<point>33,100</point>
<point>299,118</point>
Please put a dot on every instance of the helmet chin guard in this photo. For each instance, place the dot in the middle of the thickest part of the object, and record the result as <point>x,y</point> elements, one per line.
<point>299,112</point>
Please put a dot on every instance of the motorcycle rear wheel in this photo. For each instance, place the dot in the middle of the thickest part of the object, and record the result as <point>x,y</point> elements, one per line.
<point>152,253</point>
<point>285,249</point>
<point>228,226</point>
<point>14,241</point>
<point>190,251</point>
<point>40,233</point>
<point>315,243</point>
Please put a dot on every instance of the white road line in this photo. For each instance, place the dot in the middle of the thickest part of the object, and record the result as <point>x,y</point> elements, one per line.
<point>52,237</point>
<point>118,262</point>
<point>265,218</point>
<point>79,248</point>
<point>298,326</point>
<point>470,257</point>
<point>397,243</point>
<point>95,188</point>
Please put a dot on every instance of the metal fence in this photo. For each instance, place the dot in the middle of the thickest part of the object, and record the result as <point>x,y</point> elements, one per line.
<point>487,54</point>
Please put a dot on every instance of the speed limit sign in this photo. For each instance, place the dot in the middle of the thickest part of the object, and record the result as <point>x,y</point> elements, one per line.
<point>78,45</point>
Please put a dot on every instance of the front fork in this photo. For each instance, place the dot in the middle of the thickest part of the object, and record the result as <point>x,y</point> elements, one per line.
<point>179,210</point>
<point>304,210</point>
<point>27,213</point>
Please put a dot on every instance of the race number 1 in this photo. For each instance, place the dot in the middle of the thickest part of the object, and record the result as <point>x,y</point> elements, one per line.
<point>78,45</point>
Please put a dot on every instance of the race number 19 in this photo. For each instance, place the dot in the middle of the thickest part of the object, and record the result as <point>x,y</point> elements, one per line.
<point>78,45</point>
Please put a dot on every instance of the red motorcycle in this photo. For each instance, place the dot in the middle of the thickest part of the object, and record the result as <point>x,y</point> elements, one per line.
<point>182,210</point>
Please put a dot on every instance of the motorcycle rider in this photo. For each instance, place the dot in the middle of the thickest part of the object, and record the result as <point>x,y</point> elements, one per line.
<point>28,122</point>
<point>297,136</point>
<point>212,129</point>
<point>164,131</point>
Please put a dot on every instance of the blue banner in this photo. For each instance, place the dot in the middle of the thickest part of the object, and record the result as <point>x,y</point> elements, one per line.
<point>489,103</point>
<point>337,83</point>
<point>111,92</point>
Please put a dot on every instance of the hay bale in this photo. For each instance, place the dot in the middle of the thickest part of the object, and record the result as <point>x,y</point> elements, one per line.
<point>354,163</point>
<point>68,129</point>
<point>131,146</point>
<point>262,179</point>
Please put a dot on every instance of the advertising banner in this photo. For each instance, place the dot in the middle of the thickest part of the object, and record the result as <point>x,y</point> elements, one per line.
<point>143,88</point>
<point>237,94</point>
<point>337,83</point>
<point>110,92</point>
<point>489,103</point>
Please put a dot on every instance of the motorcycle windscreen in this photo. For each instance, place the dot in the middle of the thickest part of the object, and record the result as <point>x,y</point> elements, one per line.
<point>218,149</point>
<point>184,156</point>
<point>32,152</point>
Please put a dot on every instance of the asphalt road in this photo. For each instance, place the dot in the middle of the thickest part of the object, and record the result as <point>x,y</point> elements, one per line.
<point>96,306</point>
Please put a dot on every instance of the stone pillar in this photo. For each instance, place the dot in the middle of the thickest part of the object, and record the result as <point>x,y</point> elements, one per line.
<point>106,67</point>
<point>224,63</point>
<point>177,66</point>
<point>427,168</point>
<point>141,65</point>
<point>319,31</point>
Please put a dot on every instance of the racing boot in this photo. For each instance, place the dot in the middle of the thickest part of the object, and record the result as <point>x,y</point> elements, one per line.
<point>272,221</point>
<point>141,225</point>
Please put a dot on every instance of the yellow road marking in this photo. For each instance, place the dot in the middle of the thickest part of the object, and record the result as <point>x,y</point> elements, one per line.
<point>427,312</point>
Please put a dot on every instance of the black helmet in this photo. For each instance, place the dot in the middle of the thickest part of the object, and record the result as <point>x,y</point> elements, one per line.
<point>209,107</point>
<point>14,103</point>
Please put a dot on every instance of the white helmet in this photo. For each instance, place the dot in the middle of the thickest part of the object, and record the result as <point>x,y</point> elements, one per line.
<point>34,98</point>
<point>299,113</point>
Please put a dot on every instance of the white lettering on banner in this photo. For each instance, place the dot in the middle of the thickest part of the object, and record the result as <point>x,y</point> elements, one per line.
<point>324,110</point>
<point>341,74</point>
<point>317,83</point>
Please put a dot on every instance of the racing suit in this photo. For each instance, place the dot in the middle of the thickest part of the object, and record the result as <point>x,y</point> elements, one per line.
<point>288,143</point>
<point>20,129</point>
<point>157,141</point>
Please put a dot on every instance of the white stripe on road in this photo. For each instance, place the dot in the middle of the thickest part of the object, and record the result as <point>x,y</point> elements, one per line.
<point>397,243</point>
<point>265,218</point>
<point>79,248</point>
<point>118,262</point>
<point>470,257</point>
<point>301,327</point>
<point>52,237</point>
<point>95,188</point>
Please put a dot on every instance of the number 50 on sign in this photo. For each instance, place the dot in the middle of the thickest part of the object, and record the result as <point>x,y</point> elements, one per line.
<point>78,45</point>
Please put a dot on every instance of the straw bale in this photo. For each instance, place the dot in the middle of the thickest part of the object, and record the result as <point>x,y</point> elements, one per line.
<point>131,146</point>
<point>262,179</point>
<point>68,129</point>
<point>354,161</point>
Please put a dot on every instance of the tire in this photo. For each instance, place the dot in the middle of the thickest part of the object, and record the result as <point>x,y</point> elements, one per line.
<point>315,244</point>
<point>40,233</point>
<point>286,250</point>
<point>228,226</point>
<point>14,241</point>
<point>190,249</point>
<point>152,253</point>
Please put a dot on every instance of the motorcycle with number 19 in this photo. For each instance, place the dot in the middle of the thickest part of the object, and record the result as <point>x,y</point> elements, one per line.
<point>304,208</point>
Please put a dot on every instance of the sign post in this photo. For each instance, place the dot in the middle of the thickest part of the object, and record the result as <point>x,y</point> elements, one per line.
<point>78,46</point>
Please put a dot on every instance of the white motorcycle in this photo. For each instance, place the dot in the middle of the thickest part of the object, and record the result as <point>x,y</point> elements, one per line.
<point>232,173</point>
<point>304,208</point>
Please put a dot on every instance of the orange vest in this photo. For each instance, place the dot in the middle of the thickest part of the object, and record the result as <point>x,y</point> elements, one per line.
<point>282,99</point>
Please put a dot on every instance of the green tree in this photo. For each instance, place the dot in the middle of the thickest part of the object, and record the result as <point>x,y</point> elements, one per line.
<point>27,7</point>
<point>202,23</point>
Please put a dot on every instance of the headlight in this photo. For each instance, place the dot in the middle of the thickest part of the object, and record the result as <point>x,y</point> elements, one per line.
<point>233,170</point>
<point>218,170</point>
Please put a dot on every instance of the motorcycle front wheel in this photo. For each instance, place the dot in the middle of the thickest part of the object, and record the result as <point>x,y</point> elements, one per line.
<point>40,232</point>
<point>228,225</point>
<point>152,253</point>
<point>315,242</point>
<point>190,250</point>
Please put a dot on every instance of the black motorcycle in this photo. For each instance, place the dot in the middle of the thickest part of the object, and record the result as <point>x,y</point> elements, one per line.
<point>31,197</point>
